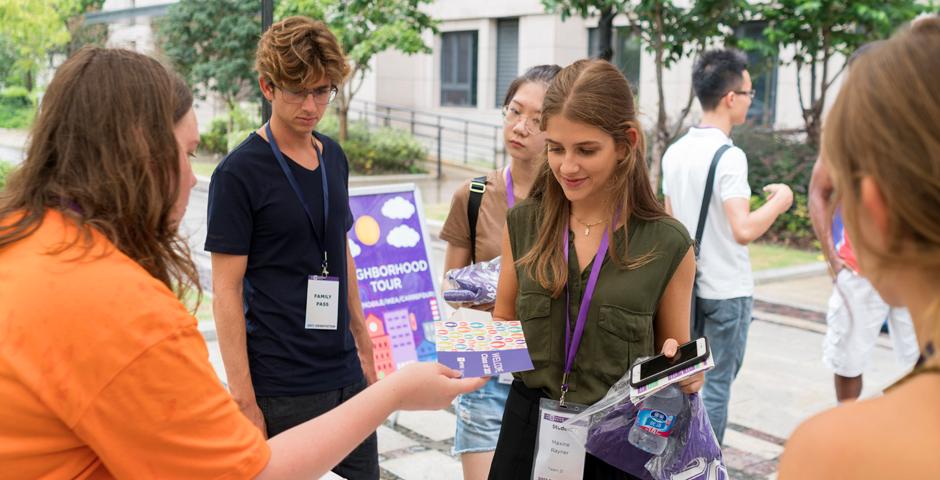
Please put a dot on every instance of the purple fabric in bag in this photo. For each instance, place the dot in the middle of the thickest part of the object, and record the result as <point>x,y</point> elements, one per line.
<point>692,451</point>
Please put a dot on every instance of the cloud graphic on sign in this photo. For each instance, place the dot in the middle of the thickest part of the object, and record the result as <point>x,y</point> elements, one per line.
<point>403,236</point>
<point>354,249</point>
<point>398,209</point>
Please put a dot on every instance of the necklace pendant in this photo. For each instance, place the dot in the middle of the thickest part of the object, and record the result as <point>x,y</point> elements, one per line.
<point>587,231</point>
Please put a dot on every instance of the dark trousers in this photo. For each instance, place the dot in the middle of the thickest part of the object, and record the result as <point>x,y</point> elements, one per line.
<point>283,413</point>
<point>515,449</point>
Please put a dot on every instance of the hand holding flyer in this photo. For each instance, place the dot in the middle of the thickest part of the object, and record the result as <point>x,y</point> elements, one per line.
<point>478,346</point>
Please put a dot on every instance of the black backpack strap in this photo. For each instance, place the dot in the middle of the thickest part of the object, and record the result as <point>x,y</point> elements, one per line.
<point>477,188</point>
<point>709,185</point>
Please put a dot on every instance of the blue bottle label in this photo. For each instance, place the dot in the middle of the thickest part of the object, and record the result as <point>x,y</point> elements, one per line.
<point>655,422</point>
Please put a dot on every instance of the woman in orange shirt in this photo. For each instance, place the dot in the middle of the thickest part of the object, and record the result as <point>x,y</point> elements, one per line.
<point>103,372</point>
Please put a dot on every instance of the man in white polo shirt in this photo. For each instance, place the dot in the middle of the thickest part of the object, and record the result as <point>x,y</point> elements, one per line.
<point>724,284</point>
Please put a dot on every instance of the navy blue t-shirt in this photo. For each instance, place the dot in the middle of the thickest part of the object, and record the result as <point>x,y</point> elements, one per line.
<point>254,211</point>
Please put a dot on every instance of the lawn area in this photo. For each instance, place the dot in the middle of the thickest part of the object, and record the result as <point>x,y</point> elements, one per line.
<point>765,256</point>
<point>436,211</point>
<point>204,314</point>
<point>204,168</point>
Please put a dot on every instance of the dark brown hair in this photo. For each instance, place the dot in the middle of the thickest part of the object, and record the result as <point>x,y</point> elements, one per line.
<point>541,74</point>
<point>297,52</point>
<point>595,93</point>
<point>103,152</point>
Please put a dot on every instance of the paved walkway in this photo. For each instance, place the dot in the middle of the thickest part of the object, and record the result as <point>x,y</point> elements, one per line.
<point>781,383</point>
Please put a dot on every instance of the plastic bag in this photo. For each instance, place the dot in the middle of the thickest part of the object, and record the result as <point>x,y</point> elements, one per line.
<point>692,451</point>
<point>474,284</point>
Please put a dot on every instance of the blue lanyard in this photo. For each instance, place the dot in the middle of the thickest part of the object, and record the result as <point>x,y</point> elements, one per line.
<point>300,195</point>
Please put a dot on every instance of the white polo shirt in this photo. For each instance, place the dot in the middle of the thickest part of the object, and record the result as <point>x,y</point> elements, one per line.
<point>724,264</point>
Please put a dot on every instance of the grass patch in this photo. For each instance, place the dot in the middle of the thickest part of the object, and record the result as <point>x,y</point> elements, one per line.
<point>437,211</point>
<point>204,313</point>
<point>766,256</point>
<point>204,168</point>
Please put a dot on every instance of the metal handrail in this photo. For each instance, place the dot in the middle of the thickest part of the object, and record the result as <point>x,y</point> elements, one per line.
<point>449,136</point>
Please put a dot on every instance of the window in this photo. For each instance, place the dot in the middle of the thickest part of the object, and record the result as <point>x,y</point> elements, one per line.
<point>507,56</point>
<point>627,50</point>
<point>763,70</point>
<point>459,69</point>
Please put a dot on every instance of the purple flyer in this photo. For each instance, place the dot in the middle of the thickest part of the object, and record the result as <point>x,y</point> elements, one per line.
<point>397,287</point>
<point>478,346</point>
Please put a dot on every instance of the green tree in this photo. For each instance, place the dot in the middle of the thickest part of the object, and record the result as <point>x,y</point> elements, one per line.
<point>823,34</point>
<point>212,43</point>
<point>671,31</point>
<point>81,34</point>
<point>29,30</point>
<point>364,29</point>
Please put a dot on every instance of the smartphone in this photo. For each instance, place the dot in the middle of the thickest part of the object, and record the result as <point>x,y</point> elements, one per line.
<point>661,366</point>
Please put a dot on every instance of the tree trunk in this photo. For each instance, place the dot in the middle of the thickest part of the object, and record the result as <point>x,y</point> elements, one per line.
<point>661,136</point>
<point>342,114</point>
<point>28,80</point>
<point>605,35</point>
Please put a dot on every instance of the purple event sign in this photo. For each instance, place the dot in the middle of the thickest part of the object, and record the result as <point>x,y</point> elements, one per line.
<point>397,287</point>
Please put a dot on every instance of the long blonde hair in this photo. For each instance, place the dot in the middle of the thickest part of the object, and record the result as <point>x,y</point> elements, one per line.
<point>595,93</point>
<point>884,125</point>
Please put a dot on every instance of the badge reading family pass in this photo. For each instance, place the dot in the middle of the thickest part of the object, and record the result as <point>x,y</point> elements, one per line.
<point>322,303</point>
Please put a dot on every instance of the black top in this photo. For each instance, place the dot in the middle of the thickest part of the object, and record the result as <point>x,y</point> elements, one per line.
<point>253,211</point>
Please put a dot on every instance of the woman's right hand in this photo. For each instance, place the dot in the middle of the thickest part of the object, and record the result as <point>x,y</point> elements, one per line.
<point>429,386</point>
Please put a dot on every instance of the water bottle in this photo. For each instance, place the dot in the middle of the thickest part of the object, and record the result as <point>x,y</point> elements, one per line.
<point>655,420</point>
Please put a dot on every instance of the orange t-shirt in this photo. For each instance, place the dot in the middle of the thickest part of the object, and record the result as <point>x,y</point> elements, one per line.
<point>103,372</point>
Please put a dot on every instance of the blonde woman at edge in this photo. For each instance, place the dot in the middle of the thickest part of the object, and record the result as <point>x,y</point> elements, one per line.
<point>882,148</point>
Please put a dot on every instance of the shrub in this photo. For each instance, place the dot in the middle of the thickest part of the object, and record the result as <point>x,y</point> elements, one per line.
<point>16,97</point>
<point>219,139</point>
<point>215,141</point>
<point>5,170</point>
<point>16,108</point>
<point>386,150</point>
<point>235,138</point>
<point>778,157</point>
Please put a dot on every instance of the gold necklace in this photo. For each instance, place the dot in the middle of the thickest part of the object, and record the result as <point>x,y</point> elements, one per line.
<point>587,226</point>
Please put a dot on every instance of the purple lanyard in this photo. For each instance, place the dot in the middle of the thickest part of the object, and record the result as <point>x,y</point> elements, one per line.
<point>572,342</point>
<point>510,197</point>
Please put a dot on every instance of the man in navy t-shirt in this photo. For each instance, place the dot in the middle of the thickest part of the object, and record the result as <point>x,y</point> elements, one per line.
<point>286,301</point>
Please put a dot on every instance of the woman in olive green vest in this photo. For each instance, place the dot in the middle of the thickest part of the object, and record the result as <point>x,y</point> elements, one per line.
<point>594,191</point>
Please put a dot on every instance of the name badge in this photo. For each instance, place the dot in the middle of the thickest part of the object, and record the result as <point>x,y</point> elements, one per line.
<point>558,454</point>
<point>322,303</point>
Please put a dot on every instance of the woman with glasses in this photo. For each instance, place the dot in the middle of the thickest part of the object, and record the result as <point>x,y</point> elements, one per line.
<point>479,413</point>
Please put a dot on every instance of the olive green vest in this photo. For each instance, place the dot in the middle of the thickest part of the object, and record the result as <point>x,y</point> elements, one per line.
<point>619,327</point>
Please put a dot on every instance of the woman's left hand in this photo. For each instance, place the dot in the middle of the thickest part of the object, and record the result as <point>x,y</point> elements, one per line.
<point>688,385</point>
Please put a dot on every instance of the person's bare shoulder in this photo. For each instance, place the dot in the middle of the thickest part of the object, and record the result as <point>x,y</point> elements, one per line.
<point>893,436</point>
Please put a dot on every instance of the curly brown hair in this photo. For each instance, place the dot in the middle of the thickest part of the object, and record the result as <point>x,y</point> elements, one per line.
<point>103,152</point>
<point>298,52</point>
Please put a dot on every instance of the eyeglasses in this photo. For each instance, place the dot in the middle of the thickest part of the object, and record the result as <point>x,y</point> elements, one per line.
<point>751,93</point>
<point>511,116</point>
<point>321,96</point>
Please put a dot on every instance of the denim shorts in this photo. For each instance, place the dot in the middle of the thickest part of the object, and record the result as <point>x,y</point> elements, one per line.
<point>479,416</point>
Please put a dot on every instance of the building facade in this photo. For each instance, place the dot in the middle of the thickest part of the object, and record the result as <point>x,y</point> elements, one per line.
<point>483,44</point>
